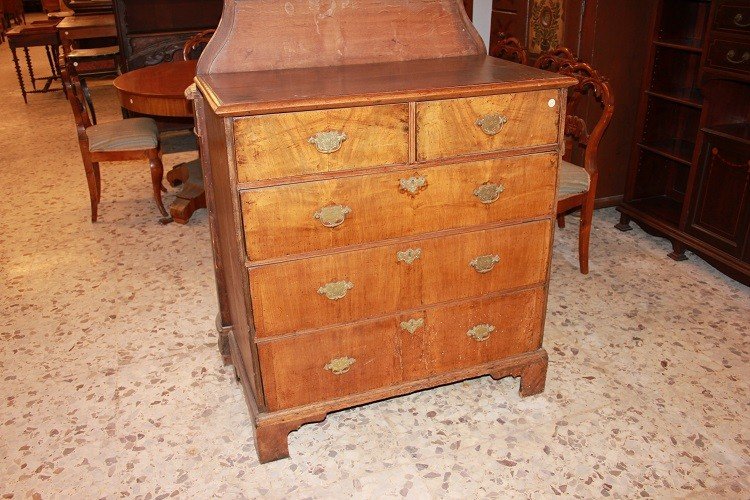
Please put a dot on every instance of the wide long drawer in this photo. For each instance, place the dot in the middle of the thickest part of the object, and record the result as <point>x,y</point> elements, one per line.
<point>356,358</point>
<point>291,144</point>
<point>343,287</point>
<point>481,124</point>
<point>320,215</point>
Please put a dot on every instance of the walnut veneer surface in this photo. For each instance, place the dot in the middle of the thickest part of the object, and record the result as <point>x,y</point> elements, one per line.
<point>378,227</point>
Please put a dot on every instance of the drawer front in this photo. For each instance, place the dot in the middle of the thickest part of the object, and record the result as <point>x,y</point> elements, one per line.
<point>729,55</point>
<point>290,144</point>
<point>352,359</point>
<point>482,124</point>
<point>484,331</point>
<point>321,215</point>
<point>338,288</point>
<point>333,363</point>
<point>733,16</point>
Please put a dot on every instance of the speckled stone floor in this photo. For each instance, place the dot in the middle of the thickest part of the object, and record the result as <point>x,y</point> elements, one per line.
<point>112,385</point>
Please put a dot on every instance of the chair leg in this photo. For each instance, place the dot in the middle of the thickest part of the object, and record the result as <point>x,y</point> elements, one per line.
<point>98,176</point>
<point>584,235</point>
<point>91,180</point>
<point>157,174</point>
<point>561,221</point>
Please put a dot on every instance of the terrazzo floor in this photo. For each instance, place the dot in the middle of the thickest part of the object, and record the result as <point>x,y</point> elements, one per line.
<point>112,385</point>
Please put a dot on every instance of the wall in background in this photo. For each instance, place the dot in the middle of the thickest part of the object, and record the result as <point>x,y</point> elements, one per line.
<point>482,18</point>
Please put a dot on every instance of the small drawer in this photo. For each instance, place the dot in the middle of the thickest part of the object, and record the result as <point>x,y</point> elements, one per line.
<point>321,215</point>
<point>338,288</point>
<point>483,124</point>
<point>729,55</point>
<point>352,359</point>
<point>733,16</point>
<point>291,144</point>
<point>484,331</point>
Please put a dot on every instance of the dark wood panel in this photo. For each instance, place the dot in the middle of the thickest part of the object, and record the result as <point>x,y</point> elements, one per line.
<point>154,31</point>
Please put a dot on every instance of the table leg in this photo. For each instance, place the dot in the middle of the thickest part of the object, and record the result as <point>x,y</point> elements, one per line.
<point>49,59</point>
<point>31,68</point>
<point>56,59</point>
<point>20,75</point>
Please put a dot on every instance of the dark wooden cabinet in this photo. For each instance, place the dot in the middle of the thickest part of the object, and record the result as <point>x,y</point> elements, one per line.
<point>721,211</point>
<point>596,31</point>
<point>689,178</point>
<point>154,31</point>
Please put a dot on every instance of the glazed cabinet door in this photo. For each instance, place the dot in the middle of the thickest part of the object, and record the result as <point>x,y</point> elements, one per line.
<point>721,210</point>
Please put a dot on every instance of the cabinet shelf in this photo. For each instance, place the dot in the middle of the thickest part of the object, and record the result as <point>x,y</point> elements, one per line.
<point>678,150</point>
<point>686,44</point>
<point>663,208</point>
<point>739,132</point>
<point>683,96</point>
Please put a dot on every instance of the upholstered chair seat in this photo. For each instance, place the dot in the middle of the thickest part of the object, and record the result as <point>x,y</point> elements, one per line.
<point>573,180</point>
<point>123,135</point>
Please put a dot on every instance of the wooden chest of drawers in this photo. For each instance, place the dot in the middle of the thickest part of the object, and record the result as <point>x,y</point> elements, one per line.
<point>379,227</point>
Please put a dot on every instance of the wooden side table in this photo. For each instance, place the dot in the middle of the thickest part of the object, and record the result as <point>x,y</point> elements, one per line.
<point>83,32</point>
<point>40,34</point>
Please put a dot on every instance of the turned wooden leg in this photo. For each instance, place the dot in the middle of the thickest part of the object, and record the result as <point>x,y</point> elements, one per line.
<point>533,377</point>
<point>561,221</point>
<point>624,224</point>
<point>157,174</point>
<point>21,83</point>
<point>678,251</point>
<point>31,68</point>
<point>584,234</point>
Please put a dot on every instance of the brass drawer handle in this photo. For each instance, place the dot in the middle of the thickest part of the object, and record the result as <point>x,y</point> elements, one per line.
<point>409,255</point>
<point>484,263</point>
<point>413,185</point>
<point>492,124</point>
<point>412,325</point>
<point>336,290</point>
<point>480,333</point>
<point>489,192</point>
<point>328,142</point>
<point>737,20</point>
<point>333,215</point>
<point>731,54</point>
<point>339,366</point>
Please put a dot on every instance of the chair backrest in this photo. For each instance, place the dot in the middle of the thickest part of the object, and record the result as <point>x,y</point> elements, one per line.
<point>195,44</point>
<point>562,61</point>
<point>76,95</point>
<point>510,49</point>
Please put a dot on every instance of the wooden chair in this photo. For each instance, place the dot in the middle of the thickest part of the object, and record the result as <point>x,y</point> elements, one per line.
<point>13,11</point>
<point>577,184</point>
<point>195,44</point>
<point>123,140</point>
<point>510,49</point>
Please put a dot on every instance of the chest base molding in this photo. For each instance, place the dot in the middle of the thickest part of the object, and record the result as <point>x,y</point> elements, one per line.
<point>271,429</point>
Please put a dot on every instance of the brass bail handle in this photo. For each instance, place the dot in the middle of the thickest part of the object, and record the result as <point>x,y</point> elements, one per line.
<point>480,333</point>
<point>339,366</point>
<point>329,141</point>
<point>336,289</point>
<point>333,215</point>
<point>489,192</point>
<point>492,123</point>
<point>484,263</point>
